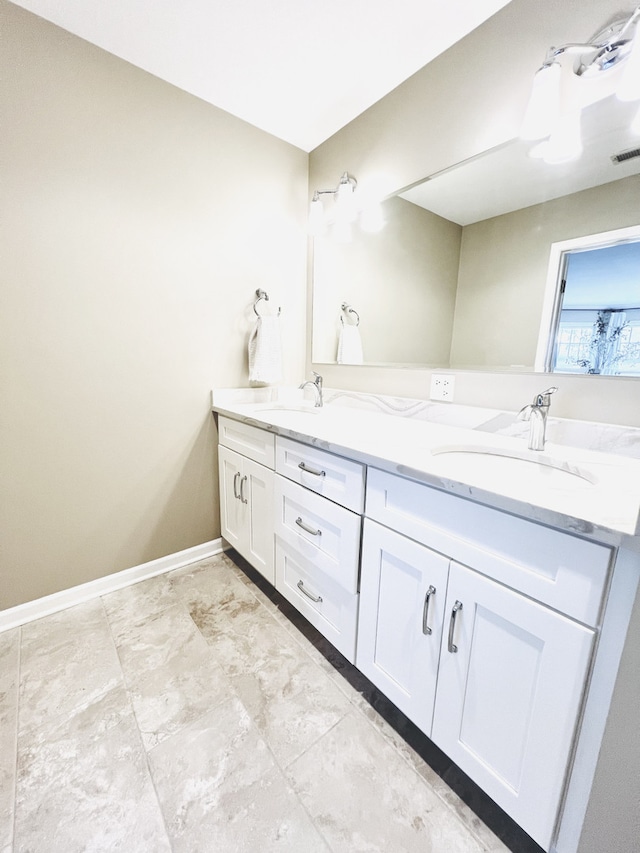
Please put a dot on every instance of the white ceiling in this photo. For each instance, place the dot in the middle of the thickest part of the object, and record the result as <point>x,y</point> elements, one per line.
<point>298,69</point>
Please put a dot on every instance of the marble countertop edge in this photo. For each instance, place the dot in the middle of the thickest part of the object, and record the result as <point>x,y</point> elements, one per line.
<point>607,510</point>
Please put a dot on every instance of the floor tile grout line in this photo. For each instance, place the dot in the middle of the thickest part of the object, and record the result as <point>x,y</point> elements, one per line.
<point>360,704</point>
<point>135,719</point>
<point>279,766</point>
<point>126,682</point>
<point>282,769</point>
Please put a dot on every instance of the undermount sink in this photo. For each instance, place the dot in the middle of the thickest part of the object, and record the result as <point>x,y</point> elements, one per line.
<point>521,467</point>
<point>298,408</point>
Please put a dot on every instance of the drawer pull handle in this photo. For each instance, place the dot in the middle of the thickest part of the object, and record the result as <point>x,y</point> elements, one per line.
<point>313,471</point>
<point>315,598</point>
<point>425,610</point>
<point>242,497</point>
<point>452,623</point>
<point>235,485</point>
<point>305,527</point>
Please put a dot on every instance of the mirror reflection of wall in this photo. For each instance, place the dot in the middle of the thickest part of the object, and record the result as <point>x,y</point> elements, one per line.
<point>401,281</point>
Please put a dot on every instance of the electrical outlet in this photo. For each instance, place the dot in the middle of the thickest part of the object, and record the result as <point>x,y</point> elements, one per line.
<point>442,386</point>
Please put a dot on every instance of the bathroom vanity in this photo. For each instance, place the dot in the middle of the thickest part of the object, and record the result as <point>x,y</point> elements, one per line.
<point>483,588</point>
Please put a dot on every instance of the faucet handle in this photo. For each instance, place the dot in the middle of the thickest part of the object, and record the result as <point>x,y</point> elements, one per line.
<point>317,378</point>
<point>543,399</point>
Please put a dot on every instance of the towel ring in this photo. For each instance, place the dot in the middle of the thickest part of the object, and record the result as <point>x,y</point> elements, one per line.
<point>262,294</point>
<point>349,310</point>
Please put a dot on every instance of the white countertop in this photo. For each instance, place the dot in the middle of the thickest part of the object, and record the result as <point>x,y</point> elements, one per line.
<point>603,502</point>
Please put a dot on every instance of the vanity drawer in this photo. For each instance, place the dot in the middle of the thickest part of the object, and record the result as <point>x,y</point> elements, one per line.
<point>324,533</point>
<point>338,479</point>
<point>250,441</point>
<point>324,603</point>
<point>561,570</point>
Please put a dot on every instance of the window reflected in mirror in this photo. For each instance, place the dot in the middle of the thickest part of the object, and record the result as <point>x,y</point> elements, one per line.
<point>599,321</point>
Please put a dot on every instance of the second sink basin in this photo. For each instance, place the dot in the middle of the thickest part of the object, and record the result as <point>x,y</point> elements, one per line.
<point>297,408</point>
<point>501,466</point>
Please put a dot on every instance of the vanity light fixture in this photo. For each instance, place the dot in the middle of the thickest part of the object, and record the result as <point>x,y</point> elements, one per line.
<point>344,209</point>
<point>548,115</point>
<point>344,212</point>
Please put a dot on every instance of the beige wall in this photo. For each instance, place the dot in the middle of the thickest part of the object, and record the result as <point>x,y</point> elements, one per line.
<point>468,99</point>
<point>138,222</point>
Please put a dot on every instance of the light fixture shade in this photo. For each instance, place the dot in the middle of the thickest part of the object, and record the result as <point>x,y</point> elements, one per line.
<point>629,86</point>
<point>543,108</point>
<point>565,143</point>
<point>345,201</point>
<point>345,187</point>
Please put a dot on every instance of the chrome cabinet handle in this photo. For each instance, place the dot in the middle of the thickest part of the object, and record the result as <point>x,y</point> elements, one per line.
<point>242,497</point>
<point>425,610</point>
<point>313,471</point>
<point>452,622</point>
<point>305,527</point>
<point>315,598</point>
<point>235,485</point>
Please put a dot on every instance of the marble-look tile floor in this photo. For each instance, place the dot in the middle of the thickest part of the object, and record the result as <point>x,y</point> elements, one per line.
<point>189,713</point>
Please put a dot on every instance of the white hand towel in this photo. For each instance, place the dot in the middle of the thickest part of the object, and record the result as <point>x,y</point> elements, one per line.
<point>349,345</point>
<point>265,351</point>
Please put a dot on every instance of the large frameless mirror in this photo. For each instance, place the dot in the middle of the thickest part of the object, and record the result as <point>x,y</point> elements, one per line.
<point>458,276</point>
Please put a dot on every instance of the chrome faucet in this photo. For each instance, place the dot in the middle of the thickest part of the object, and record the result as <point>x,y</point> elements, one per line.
<point>316,384</point>
<point>536,414</point>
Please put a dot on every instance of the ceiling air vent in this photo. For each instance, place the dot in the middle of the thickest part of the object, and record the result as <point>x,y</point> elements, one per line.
<point>625,155</point>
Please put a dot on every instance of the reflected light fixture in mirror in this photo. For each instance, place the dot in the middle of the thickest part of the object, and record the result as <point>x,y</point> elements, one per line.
<point>578,74</point>
<point>345,211</point>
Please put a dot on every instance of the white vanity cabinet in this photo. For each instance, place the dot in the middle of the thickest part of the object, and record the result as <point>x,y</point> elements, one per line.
<point>498,682</point>
<point>246,492</point>
<point>402,599</point>
<point>317,542</point>
<point>510,685</point>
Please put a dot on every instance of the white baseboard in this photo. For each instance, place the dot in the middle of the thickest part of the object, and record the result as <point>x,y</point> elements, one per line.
<point>22,613</point>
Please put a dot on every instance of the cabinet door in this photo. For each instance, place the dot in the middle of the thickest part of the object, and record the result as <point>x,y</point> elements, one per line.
<point>231,509</point>
<point>246,509</point>
<point>256,496</point>
<point>402,598</point>
<point>510,686</point>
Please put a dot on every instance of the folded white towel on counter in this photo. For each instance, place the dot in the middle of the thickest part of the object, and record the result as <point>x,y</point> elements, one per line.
<point>349,345</point>
<point>265,351</point>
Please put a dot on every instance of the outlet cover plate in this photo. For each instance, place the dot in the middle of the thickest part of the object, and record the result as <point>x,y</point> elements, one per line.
<point>442,387</point>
